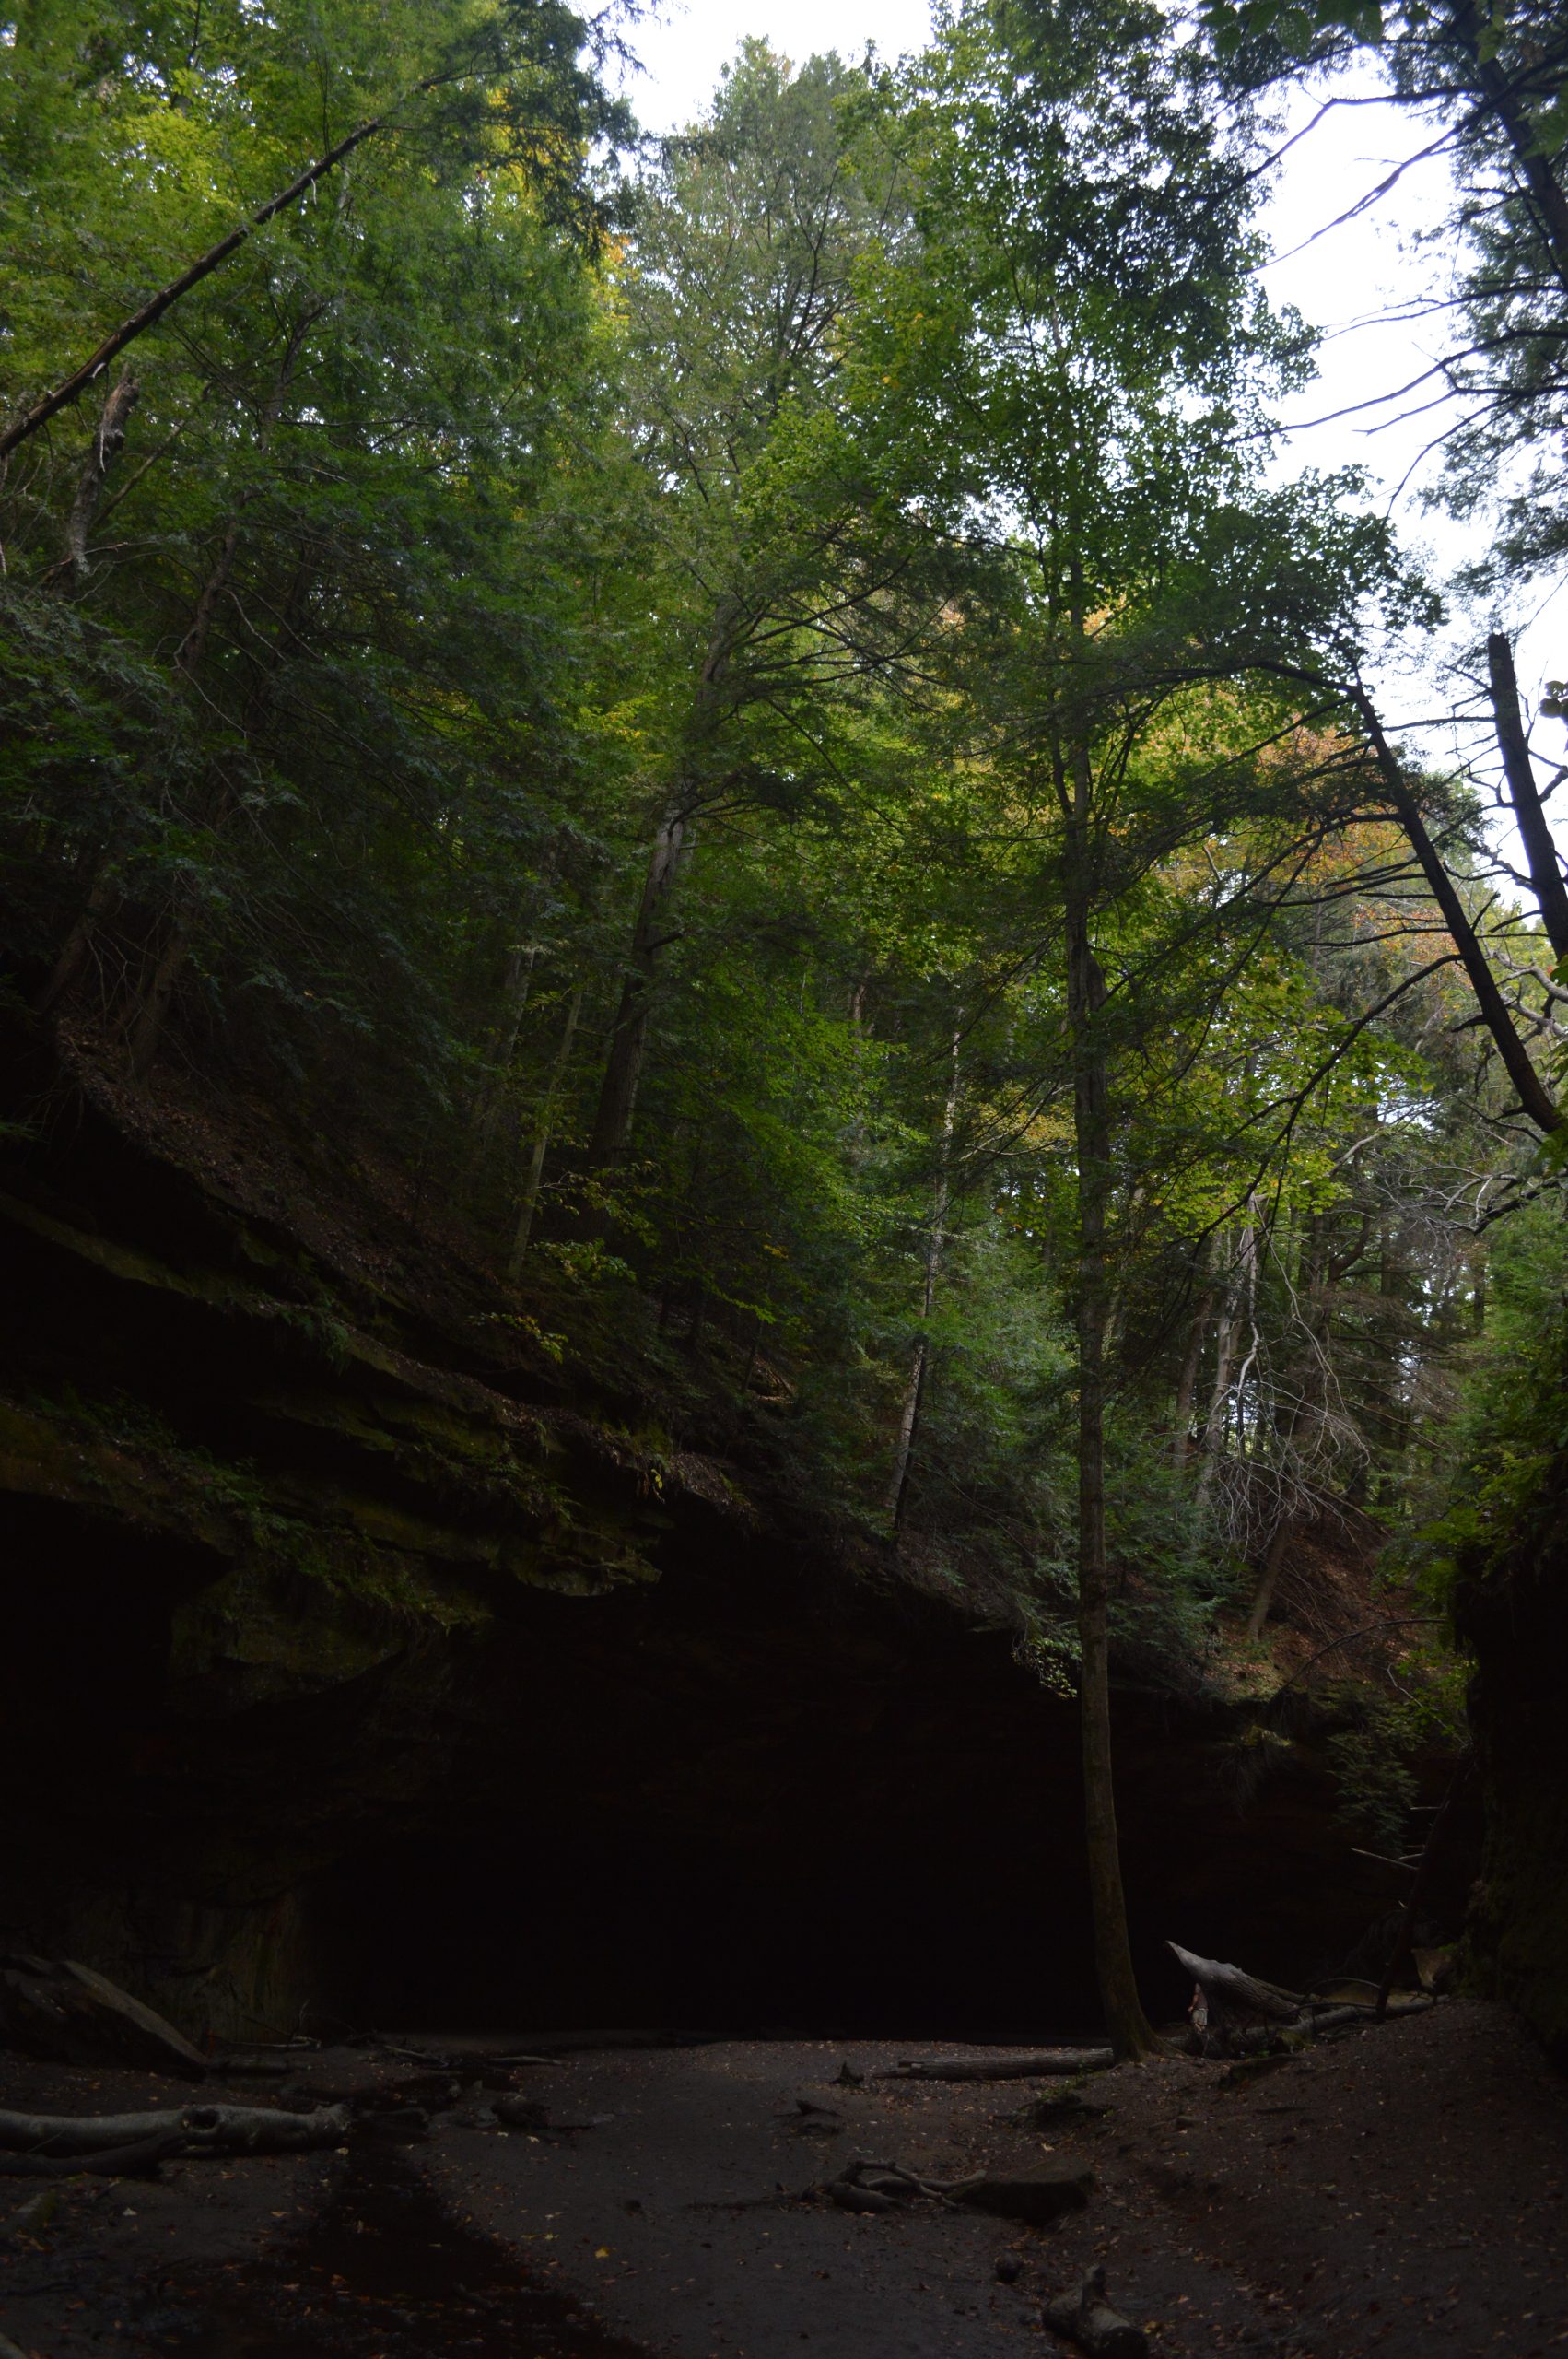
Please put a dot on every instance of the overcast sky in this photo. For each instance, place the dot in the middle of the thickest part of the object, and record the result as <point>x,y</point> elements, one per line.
<point>1343,275</point>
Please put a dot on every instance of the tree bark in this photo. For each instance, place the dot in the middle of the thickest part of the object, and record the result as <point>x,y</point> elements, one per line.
<point>628,1037</point>
<point>109,438</point>
<point>1219,1391</point>
<point>199,2128</point>
<point>936,1240</point>
<point>1534,166</point>
<point>1534,1097</point>
<point>1030,2064</point>
<point>1540,853</point>
<point>542,1140</point>
<point>1263,1596</point>
<point>518,984</point>
<point>1186,1383</point>
<point>651,932</point>
<point>1126,2022</point>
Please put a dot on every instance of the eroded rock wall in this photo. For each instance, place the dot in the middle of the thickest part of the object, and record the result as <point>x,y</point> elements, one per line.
<point>1514,1613</point>
<point>351,1670</point>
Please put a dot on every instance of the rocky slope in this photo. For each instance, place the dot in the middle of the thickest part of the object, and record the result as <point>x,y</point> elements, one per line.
<point>359,1659</point>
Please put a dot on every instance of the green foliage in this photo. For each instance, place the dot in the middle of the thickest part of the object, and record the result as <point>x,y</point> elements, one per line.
<point>1377,1787</point>
<point>1511,1429</point>
<point>539,634</point>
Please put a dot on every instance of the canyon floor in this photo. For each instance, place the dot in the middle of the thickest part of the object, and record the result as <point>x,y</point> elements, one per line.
<point>1398,2191</point>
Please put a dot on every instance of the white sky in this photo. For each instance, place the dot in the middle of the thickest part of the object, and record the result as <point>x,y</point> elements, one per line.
<point>1345,275</point>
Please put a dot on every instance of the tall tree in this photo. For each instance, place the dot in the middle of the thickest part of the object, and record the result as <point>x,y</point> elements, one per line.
<point>748,241</point>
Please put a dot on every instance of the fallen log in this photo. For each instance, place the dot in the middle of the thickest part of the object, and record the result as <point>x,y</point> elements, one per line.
<point>198,2129</point>
<point>1414,2003</point>
<point>61,2009</point>
<point>1041,2064</point>
<point>1233,1999</point>
<point>1234,2014</point>
<point>850,2195</point>
<point>140,2159</point>
<point>1087,2319</point>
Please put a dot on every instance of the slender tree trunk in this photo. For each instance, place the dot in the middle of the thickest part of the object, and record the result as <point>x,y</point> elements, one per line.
<point>542,1139</point>
<point>79,942</point>
<point>1186,1383</point>
<point>1128,2027</point>
<point>516,986</point>
<point>146,1029</point>
<point>1291,1411</point>
<point>1534,1097</point>
<point>936,1240</point>
<point>1531,152</point>
<point>1263,1596</point>
<point>108,441</point>
<point>652,932</point>
<point>1217,1419</point>
<point>109,438</point>
<point>504,1032</point>
<point>1540,853</point>
<point>628,1037</point>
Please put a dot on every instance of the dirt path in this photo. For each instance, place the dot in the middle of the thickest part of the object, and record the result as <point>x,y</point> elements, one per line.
<point>1400,2192</point>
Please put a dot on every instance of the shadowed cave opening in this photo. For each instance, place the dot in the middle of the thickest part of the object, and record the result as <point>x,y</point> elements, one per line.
<point>730,1800</point>
<point>916,1928</point>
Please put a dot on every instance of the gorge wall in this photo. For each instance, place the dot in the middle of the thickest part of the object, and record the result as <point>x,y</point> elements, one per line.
<point>1512,1611</point>
<point>355,1670</point>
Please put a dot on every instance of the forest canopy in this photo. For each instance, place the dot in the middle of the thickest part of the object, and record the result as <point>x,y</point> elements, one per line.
<point>756,714</point>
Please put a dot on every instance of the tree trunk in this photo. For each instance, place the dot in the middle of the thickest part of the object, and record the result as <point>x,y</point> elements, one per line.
<point>628,1037</point>
<point>1534,1097</point>
<point>1540,853</point>
<point>78,942</point>
<point>936,1240</point>
<point>1186,1383</point>
<point>1126,2022</point>
<point>1263,1596</point>
<point>651,931</point>
<point>107,443</point>
<point>1219,1391</point>
<point>501,1047</point>
<point>542,1140</point>
<point>146,1029</point>
<point>1531,153</point>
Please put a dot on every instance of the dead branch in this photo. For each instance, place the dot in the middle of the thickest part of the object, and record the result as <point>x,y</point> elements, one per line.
<point>194,2128</point>
<point>1038,2065</point>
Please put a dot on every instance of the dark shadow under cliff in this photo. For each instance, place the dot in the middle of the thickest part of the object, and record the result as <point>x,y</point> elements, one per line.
<point>349,1673</point>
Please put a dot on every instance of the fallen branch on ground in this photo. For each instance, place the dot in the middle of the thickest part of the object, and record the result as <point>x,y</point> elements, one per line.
<point>140,2159</point>
<point>51,2138</point>
<point>1039,2065</point>
<point>58,2008</point>
<point>1234,2014</point>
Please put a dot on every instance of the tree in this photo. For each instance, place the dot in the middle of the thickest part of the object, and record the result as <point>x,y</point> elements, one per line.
<point>1093,341</point>
<point>748,241</point>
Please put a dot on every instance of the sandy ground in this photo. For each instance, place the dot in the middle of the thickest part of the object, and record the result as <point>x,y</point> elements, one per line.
<point>1398,2191</point>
